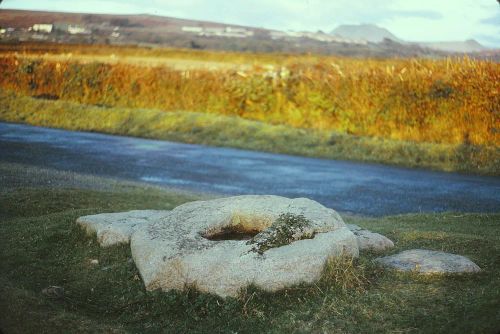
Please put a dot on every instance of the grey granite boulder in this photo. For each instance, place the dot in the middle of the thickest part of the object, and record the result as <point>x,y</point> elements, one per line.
<point>368,240</point>
<point>429,262</point>
<point>204,244</point>
<point>116,228</point>
<point>222,245</point>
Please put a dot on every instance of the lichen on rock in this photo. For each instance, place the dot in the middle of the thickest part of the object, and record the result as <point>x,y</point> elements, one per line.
<point>285,230</point>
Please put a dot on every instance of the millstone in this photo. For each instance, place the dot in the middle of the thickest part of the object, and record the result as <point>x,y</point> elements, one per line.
<point>182,248</point>
<point>221,246</point>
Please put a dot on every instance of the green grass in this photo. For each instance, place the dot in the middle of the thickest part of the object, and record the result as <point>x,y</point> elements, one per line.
<point>218,130</point>
<point>40,246</point>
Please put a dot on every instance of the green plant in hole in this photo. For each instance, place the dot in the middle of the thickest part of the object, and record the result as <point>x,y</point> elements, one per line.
<point>286,229</point>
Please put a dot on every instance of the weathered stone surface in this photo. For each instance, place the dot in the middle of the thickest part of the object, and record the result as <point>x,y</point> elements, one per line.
<point>116,228</point>
<point>368,240</point>
<point>184,247</point>
<point>429,262</point>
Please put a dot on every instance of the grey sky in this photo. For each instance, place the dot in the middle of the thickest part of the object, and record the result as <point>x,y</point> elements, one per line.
<point>412,20</point>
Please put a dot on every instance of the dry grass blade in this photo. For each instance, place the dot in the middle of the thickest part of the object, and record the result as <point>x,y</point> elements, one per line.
<point>344,273</point>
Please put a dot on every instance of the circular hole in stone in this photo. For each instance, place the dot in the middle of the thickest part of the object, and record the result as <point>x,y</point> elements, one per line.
<point>239,226</point>
<point>231,233</point>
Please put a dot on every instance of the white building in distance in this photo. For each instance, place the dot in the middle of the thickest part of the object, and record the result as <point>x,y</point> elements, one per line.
<point>76,29</point>
<point>219,31</point>
<point>318,36</point>
<point>43,27</point>
<point>195,30</point>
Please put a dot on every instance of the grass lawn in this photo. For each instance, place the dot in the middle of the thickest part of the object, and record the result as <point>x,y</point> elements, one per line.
<point>40,246</point>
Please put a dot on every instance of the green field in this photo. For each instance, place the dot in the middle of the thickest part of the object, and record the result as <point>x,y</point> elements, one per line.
<point>40,246</point>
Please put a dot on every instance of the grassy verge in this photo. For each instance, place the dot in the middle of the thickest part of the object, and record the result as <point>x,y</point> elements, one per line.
<point>219,130</point>
<point>40,246</point>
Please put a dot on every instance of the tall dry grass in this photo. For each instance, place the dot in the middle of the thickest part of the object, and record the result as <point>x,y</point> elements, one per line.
<point>453,101</point>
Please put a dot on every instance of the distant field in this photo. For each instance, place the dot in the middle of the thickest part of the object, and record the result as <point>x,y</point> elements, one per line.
<point>174,63</point>
<point>447,102</point>
<point>151,52</point>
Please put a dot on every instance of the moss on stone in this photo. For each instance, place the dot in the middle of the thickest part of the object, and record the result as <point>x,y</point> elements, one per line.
<point>285,230</point>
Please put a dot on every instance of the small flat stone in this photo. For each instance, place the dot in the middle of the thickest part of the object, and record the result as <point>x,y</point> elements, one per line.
<point>116,228</point>
<point>368,240</point>
<point>54,291</point>
<point>429,262</point>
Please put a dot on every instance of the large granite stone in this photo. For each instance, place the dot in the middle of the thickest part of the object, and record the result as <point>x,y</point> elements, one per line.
<point>199,244</point>
<point>222,245</point>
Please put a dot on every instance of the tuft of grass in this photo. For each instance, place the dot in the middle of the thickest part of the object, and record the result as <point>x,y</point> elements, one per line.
<point>233,131</point>
<point>345,273</point>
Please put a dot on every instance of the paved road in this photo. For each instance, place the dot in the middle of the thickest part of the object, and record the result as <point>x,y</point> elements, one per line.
<point>367,189</point>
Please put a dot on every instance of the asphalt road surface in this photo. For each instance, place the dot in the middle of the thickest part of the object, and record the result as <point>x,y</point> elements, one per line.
<point>367,189</point>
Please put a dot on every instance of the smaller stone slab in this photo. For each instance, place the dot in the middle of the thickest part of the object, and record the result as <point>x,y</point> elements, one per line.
<point>429,262</point>
<point>368,240</point>
<point>116,228</point>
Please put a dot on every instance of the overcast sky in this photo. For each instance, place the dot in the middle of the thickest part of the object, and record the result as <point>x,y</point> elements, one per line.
<point>412,20</point>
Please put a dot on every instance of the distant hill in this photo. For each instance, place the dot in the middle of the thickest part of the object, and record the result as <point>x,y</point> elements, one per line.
<point>365,40</point>
<point>467,46</point>
<point>368,32</point>
<point>375,34</point>
<point>24,19</point>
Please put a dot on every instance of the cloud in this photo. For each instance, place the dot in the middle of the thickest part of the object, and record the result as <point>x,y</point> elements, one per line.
<point>461,20</point>
<point>493,20</point>
<point>490,39</point>
<point>88,6</point>
<point>427,14</point>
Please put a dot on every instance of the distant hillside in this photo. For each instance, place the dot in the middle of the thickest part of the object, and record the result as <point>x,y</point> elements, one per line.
<point>18,26</point>
<point>25,19</point>
<point>368,32</point>
<point>467,46</point>
<point>375,34</point>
